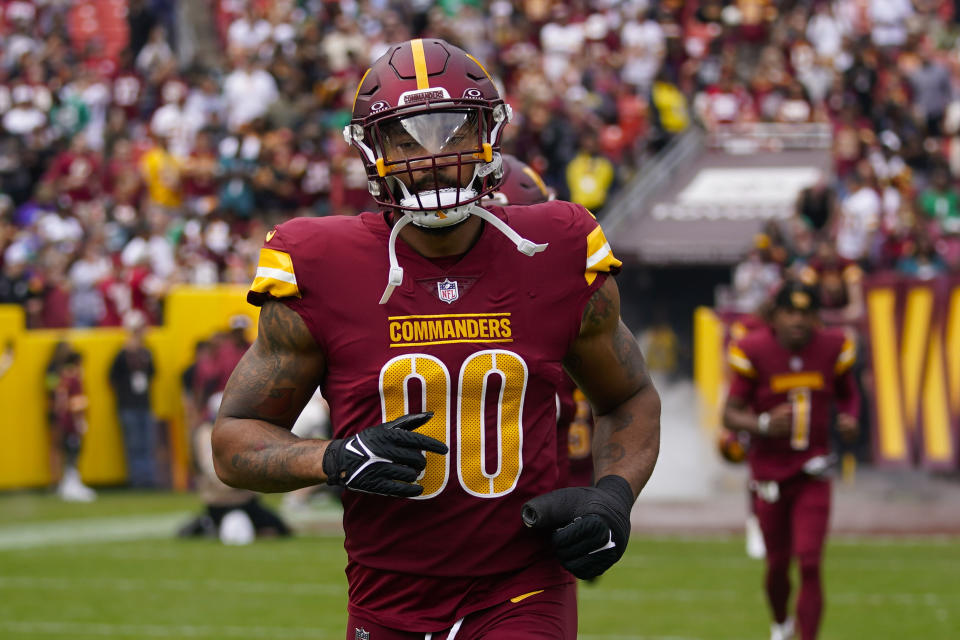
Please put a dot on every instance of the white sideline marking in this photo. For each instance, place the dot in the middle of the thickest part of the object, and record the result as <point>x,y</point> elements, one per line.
<point>330,588</point>
<point>129,584</point>
<point>744,563</point>
<point>42,627</point>
<point>607,636</point>
<point>89,530</point>
<point>699,595</point>
<point>38,627</point>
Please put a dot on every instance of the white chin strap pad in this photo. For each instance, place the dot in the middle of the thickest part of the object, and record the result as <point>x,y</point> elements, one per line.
<point>442,212</point>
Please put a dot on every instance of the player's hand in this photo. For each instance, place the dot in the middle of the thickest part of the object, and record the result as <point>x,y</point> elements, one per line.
<point>384,459</point>
<point>848,427</point>
<point>590,525</point>
<point>781,421</point>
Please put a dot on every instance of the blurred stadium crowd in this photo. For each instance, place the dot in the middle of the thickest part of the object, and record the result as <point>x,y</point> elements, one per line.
<point>127,170</point>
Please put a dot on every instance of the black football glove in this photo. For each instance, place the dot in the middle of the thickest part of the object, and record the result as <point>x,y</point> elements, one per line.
<point>591,525</point>
<point>385,459</point>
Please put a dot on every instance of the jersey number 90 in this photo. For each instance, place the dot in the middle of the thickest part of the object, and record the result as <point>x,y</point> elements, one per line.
<point>474,391</point>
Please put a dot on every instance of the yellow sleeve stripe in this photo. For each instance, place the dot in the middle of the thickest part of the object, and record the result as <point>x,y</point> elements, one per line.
<point>273,259</point>
<point>848,355</point>
<point>740,362</point>
<point>275,275</point>
<point>600,258</point>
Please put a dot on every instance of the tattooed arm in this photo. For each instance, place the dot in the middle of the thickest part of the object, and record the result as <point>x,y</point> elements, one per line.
<point>252,444</point>
<point>606,363</point>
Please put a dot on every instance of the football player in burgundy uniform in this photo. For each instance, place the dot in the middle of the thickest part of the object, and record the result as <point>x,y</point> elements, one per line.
<point>442,389</point>
<point>788,381</point>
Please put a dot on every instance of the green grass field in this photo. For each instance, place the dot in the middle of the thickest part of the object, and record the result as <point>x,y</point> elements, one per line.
<point>86,572</point>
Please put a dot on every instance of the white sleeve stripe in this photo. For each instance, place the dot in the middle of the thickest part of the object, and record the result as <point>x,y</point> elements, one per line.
<point>276,274</point>
<point>598,255</point>
<point>740,363</point>
<point>846,360</point>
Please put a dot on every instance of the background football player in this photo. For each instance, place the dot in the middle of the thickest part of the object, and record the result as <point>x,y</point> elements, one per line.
<point>788,381</point>
<point>455,365</point>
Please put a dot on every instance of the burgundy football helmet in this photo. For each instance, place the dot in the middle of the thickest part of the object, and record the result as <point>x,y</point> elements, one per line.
<point>521,185</point>
<point>424,105</point>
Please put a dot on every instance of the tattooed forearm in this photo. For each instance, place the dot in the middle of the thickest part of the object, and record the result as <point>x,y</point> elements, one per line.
<point>252,445</point>
<point>277,403</point>
<point>626,441</point>
<point>610,452</point>
<point>277,467</point>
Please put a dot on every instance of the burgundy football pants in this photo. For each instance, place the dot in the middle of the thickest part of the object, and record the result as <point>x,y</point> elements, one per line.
<point>795,526</point>
<point>548,615</point>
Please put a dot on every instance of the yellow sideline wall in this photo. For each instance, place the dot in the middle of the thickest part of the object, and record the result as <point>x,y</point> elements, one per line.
<point>191,314</point>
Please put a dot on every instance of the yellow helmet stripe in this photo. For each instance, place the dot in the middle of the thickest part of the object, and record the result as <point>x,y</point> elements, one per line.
<point>482,68</point>
<point>360,84</point>
<point>537,179</point>
<point>420,64</point>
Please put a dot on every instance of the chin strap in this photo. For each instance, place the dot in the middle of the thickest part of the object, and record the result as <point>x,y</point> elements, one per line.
<point>523,245</point>
<point>395,279</point>
<point>396,271</point>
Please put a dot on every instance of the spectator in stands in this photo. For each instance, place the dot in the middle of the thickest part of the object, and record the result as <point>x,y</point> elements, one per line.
<point>161,172</point>
<point>669,111</point>
<point>889,21</point>
<point>756,277</point>
<point>644,46</point>
<point>86,302</point>
<point>940,203</point>
<point>590,175</point>
<point>156,54</point>
<point>858,220</point>
<point>817,203</point>
<point>174,122</point>
<point>922,262</point>
<point>131,377</point>
<point>141,20</point>
<point>931,88</point>
<point>248,90</point>
<point>24,118</point>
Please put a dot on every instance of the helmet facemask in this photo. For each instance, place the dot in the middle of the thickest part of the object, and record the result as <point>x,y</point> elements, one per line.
<point>432,162</point>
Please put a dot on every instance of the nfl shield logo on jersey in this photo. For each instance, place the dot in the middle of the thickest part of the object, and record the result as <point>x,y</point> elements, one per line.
<point>361,634</point>
<point>448,291</point>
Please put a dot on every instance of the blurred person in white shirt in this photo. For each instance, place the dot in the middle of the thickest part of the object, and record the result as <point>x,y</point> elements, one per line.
<point>86,301</point>
<point>756,277</point>
<point>888,20</point>
<point>644,46</point>
<point>249,91</point>
<point>24,117</point>
<point>859,219</point>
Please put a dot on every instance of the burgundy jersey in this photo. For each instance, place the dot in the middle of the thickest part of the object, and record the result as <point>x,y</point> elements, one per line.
<point>812,379</point>
<point>478,340</point>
